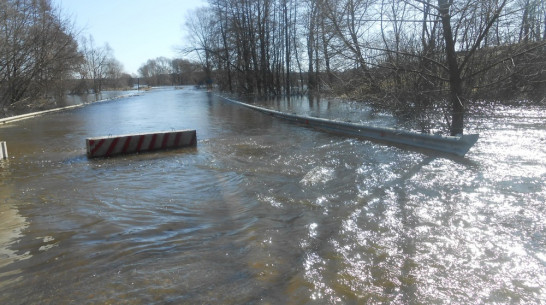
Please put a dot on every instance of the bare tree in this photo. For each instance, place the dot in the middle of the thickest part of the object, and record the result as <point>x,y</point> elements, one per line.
<point>37,51</point>
<point>456,67</point>
<point>412,56</point>
<point>97,60</point>
<point>202,24</point>
<point>533,21</point>
<point>351,21</point>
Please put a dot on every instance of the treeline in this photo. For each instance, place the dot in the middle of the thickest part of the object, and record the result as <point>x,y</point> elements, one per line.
<point>419,56</point>
<point>42,58</point>
<point>163,71</point>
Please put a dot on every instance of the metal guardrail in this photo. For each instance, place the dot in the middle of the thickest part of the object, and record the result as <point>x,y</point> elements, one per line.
<point>457,145</point>
<point>39,113</point>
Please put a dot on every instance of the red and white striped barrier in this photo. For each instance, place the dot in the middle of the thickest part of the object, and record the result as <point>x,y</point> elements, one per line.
<point>127,144</point>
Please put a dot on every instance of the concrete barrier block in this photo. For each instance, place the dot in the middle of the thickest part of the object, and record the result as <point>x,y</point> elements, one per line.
<point>128,144</point>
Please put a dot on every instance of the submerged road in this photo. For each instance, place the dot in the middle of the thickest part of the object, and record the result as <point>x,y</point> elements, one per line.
<point>264,211</point>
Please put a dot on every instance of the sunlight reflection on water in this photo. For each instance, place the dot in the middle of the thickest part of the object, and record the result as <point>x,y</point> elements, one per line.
<point>265,211</point>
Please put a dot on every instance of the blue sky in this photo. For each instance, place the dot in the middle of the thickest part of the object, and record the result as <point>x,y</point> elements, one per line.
<point>136,30</point>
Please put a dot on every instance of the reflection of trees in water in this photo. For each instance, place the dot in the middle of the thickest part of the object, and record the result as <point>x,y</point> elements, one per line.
<point>12,225</point>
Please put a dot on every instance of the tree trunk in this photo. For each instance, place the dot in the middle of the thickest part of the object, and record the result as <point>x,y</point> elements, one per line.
<point>455,81</point>
<point>524,30</point>
<point>287,46</point>
<point>311,83</point>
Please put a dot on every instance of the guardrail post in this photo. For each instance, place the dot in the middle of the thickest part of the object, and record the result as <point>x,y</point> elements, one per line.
<point>3,150</point>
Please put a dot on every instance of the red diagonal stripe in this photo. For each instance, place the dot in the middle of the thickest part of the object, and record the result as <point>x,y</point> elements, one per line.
<point>152,142</point>
<point>97,147</point>
<point>165,140</point>
<point>112,147</point>
<point>140,141</point>
<point>177,139</point>
<point>126,144</point>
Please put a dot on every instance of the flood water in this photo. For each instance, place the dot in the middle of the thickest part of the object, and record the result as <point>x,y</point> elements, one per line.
<point>77,99</point>
<point>264,211</point>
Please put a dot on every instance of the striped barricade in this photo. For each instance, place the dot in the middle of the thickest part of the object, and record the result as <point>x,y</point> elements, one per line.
<point>127,144</point>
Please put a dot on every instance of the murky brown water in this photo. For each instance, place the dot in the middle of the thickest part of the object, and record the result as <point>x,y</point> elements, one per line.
<point>268,212</point>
